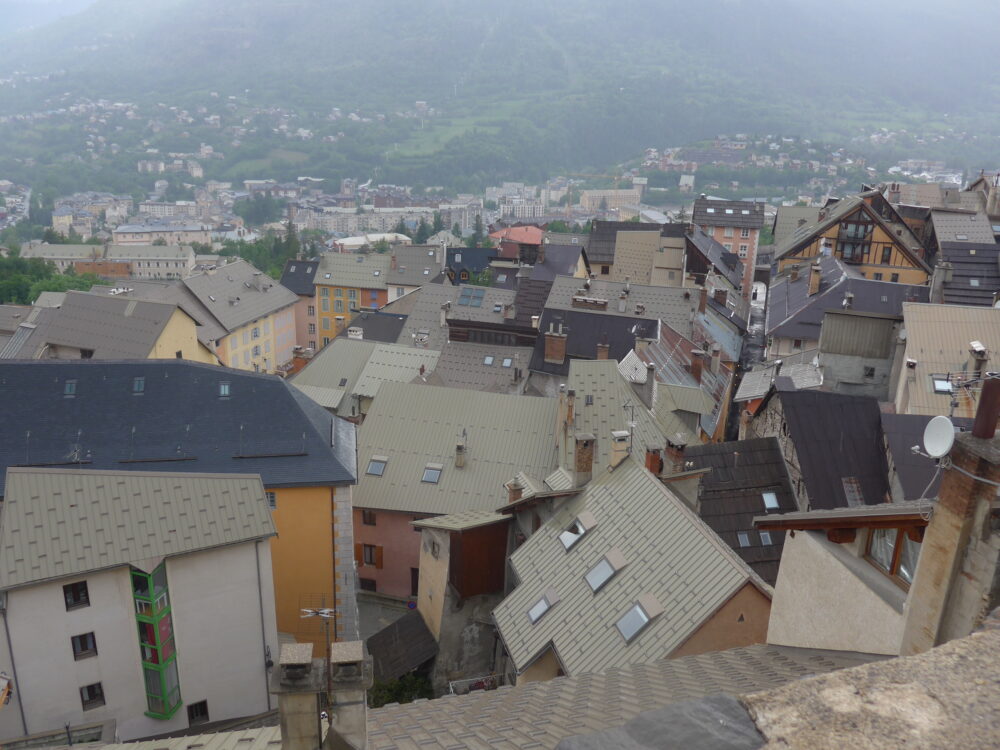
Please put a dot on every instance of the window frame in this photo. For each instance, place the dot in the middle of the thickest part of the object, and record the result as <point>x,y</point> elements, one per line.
<point>92,698</point>
<point>636,608</point>
<point>368,517</point>
<point>78,602</point>
<point>432,473</point>
<point>365,548</point>
<point>377,460</point>
<point>87,648</point>
<point>899,537</point>
<point>272,499</point>
<point>194,722</point>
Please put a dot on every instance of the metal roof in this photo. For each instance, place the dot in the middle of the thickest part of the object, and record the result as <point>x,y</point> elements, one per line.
<point>917,473</point>
<point>464,365</point>
<point>757,383</point>
<point>401,647</point>
<point>393,363</point>
<point>789,218</point>
<point>952,225</point>
<point>150,252</point>
<point>416,425</point>
<point>376,325</point>
<point>210,329</point>
<point>673,305</point>
<point>424,321</point>
<point>712,212</point>
<point>353,270</point>
<point>541,714</point>
<point>238,293</point>
<point>604,236</point>
<point>179,421</point>
<point>470,519</point>
<point>669,554</point>
<point>333,372</point>
<point>264,738</point>
<point>584,330</point>
<point>64,522</point>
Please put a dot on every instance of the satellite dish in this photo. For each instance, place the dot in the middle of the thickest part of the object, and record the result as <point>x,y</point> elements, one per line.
<point>939,435</point>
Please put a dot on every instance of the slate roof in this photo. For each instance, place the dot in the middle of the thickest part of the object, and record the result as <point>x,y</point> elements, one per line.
<point>975,273</point>
<point>376,325</point>
<point>239,282</point>
<point>298,276</point>
<point>952,225</point>
<point>65,522</point>
<point>669,555</point>
<point>541,714</point>
<point>787,220</point>
<point>915,473</point>
<point>463,365</point>
<point>356,270</point>
<point>473,260</point>
<point>730,496</point>
<point>604,235</point>
<point>870,296</point>
<point>529,299</point>
<point>673,305</point>
<point>836,437</point>
<point>584,330</point>
<point>425,317</point>
<point>401,647</point>
<point>560,260</point>
<point>416,425</point>
<point>180,422</point>
<point>724,262</point>
<point>709,212</point>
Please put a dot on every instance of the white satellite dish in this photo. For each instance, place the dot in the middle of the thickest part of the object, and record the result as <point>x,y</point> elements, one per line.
<point>939,435</point>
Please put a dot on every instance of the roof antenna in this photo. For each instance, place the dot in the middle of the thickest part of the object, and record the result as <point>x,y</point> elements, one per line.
<point>27,444</point>
<point>241,438</point>
<point>131,443</point>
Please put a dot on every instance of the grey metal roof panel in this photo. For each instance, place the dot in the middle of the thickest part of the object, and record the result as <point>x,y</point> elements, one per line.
<point>604,236</point>
<point>337,366</point>
<point>669,553</point>
<point>726,263</point>
<point>425,317</point>
<point>180,421</point>
<point>541,714</point>
<point>975,273</point>
<point>711,212</point>
<point>122,517</point>
<point>416,425</point>
<point>241,294</point>
<point>757,383</point>
<point>401,647</point>
<point>210,329</point>
<point>393,363</point>
<point>789,218</point>
<point>358,270</point>
<point>416,265</point>
<point>470,519</point>
<point>673,305</point>
<point>298,277</point>
<point>464,365</point>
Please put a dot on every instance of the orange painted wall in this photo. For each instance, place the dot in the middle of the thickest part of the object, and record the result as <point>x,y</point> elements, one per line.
<point>724,630</point>
<point>302,559</point>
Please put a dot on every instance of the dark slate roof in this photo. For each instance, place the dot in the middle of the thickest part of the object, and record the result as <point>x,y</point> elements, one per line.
<point>729,496</point>
<point>604,235</point>
<point>377,326</point>
<point>836,437</point>
<point>709,212</point>
<point>179,423</point>
<point>299,275</point>
<point>971,261</point>
<point>471,259</point>
<point>560,260</point>
<point>401,647</point>
<point>530,299</point>
<point>726,263</point>
<point>915,472</point>
<point>870,296</point>
<point>585,330</point>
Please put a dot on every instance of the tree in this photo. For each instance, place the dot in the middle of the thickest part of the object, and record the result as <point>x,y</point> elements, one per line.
<point>477,231</point>
<point>423,232</point>
<point>159,241</point>
<point>490,205</point>
<point>400,228</point>
<point>456,230</point>
<point>292,246</point>
<point>438,223</point>
<point>558,226</point>
<point>382,246</point>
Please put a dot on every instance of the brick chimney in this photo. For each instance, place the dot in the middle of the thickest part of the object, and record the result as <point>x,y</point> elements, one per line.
<point>603,348</point>
<point>697,362</point>
<point>392,262</point>
<point>675,455</point>
<point>815,275</point>
<point>570,407</point>
<point>954,583</point>
<point>702,300</point>
<point>508,311</point>
<point>720,296</point>
<point>620,444</point>
<point>514,491</point>
<point>716,361</point>
<point>583,458</point>
<point>654,461</point>
<point>555,345</point>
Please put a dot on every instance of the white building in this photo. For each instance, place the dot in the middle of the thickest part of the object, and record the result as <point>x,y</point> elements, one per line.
<point>142,598</point>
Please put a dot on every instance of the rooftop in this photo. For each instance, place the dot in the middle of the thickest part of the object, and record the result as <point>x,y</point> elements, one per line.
<point>604,236</point>
<point>917,474</point>
<point>482,367</point>
<point>237,294</point>
<point>953,225</point>
<point>376,325</point>
<point>298,276</point>
<point>467,302</point>
<point>711,212</point>
<point>975,273</point>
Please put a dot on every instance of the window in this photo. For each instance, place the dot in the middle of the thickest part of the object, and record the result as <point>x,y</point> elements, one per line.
<point>197,713</point>
<point>376,467</point>
<point>744,249</point>
<point>605,270</point>
<point>312,328</point>
<point>368,517</point>
<point>728,246</point>
<point>312,344</point>
<point>894,278</point>
<point>895,553</point>
<point>501,277</point>
<point>367,584</point>
<point>488,360</point>
<point>352,294</point>
<point>886,255</point>
<point>744,538</point>
<point>507,362</point>
<point>246,338</point>
<point>973,282</point>
<point>796,343</point>
<point>338,305</point>
<point>869,372</point>
<point>941,385</point>
<point>92,696</point>
<point>84,646</point>
<point>326,340</point>
<point>224,390</point>
<point>604,570</point>
<point>338,292</point>
<point>311,310</point>
<point>543,605</point>
<point>432,473</point>
<point>272,500</point>
<point>138,384</point>
<point>255,333</point>
<point>343,382</point>
<point>76,595</point>
<point>370,556</point>
<point>727,232</point>
<point>745,233</point>
<point>256,351</point>
<point>326,324</point>
<point>573,534</point>
<point>770,500</point>
<point>633,622</point>
<point>69,388</point>
<point>765,538</point>
<point>877,276</point>
<point>325,305</point>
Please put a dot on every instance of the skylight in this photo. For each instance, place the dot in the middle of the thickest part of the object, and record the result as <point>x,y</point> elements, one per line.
<point>376,467</point>
<point>501,277</point>
<point>138,384</point>
<point>542,606</point>
<point>573,534</point>
<point>458,257</point>
<point>376,273</point>
<point>471,297</point>
<point>600,574</point>
<point>343,382</point>
<point>765,538</point>
<point>962,237</point>
<point>632,622</point>
<point>432,473</point>
<point>710,210</point>
<point>488,360</point>
<point>729,210</point>
<point>942,386</point>
<point>744,538</point>
<point>973,282</point>
<point>326,275</point>
<point>770,500</point>
<point>507,362</point>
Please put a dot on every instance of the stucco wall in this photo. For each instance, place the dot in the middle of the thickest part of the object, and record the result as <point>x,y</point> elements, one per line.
<point>400,543</point>
<point>180,335</point>
<point>300,310</point>
<point>433,578</point>
<point>741,621</point>
<point>544,668</point>
<point>821,602</point>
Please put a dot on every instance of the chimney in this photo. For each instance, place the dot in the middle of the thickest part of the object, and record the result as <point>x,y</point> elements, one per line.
<point>654,461</point>
<point>350,678</point>
<point>720,296</point>
<point>951,587</point>
<point>392,262</point>
<point>540,257</point>
<point>993,200</point>
<point>298,683</point>
<point>534,321</point>
<point>794,276</point>
<point>648,390</point>
<point>555,346</point>
<point>703,300</point>
<point>603,348</point>
<point>508,311</point>
<point>514,491</point>
<point>815,275</point>
<point>620,444</point>
<point>622,302</point>
<point>716,361</point>
<point>848,300</point>
<point>583,459</point>
<point>570,406</point>
<point>979,357</point>
<point>445,309</point>
<point>675,454</point>
<point>697,363</point>
<point>460,455</point>
<point>422,370</point>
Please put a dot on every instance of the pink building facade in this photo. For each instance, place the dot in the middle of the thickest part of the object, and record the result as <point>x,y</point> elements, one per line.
<point>736,226</point>
<point>387,551</point>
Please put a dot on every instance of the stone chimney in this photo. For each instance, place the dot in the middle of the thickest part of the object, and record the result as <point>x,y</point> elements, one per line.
<point>603,348</point>
<point>570,407</point>
<point>583,458</point>
<point>794,275</point>
<point>555,345</point>
<point>445,309</point>
<point>508,311</point>
<point>703,300</point>
<point>298,683</point>
<point>648,390</point>
<point>350,678</point>
<point>720,296</point>
<point>534,321</point>
<point>697,362</point>
<point>460,455</point>
<point>392,262</point>
<point>675,454</point>
<point>620,444</point>
<point>716,361</point>
<point>514,491</point>
<point>978,357</point>
<point>815,276</point>
<point>955,580</point>
<point>654,461</point>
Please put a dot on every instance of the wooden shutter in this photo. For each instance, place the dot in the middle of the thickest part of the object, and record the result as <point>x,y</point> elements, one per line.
<point>359,554</point>
<point>378,557</point>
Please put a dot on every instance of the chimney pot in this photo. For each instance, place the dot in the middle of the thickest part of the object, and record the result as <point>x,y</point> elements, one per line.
<point>675,453</point>
<point>514,491</point>
<point>815,276</point>
<point>703,300</point>
<point>555,346</point>
<point>697,363</point>
<point>583,458</point>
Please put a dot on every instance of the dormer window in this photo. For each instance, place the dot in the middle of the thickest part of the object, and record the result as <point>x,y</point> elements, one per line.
<point>604,570</point>
<point>432,473</point>
<point>376,466</point>
<point>576,531</point>
<point>543,605</point>
<point>635,620</point>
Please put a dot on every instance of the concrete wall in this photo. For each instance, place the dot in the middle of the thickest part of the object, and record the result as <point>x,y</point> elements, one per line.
<point>830,598</point>
<point>845,374</point>
<point>741,621</point>
<point>218,630</point>
<point>400,543</point>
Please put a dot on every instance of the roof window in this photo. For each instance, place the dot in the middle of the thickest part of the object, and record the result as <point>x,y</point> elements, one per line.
<point>224,389</point>
<point>497,307</point>
<point>973,282</point>
<point>744,538</point>
<point>343,382</point>
<point>458,257</point>
<point>604,570</point>
<point>138,384</point>
<point>376,273</point>
<point>638,617</point>
<point>549,599</point>
<point>326,275</point>
<point>376,466</point>
<point>471,297</point>
<point>69,388</point>
<point>729,210</point>
<point>961,237</point>
<point>291,269</point>
<point>488,360</point>
<point>710,210</point>
<point>770,500</point>
<point>580,526</point>
<point>501,277</point>
<point>765,538</point>
<point>432,473</point>
<point>507,362</point>
<point>942,385</point>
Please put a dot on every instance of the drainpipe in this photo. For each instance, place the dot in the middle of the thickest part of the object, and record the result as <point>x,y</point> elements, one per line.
<point>13,666</point>
<point>263,630</point>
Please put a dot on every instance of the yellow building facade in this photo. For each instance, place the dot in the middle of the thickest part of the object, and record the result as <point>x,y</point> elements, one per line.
<point>179,340</point>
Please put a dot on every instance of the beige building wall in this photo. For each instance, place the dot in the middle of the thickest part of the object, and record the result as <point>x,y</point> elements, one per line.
<point>180,335</point>
<point>433,577</point>
<point>546,667</point>
<point>741,621</point>
<point>261,345</point>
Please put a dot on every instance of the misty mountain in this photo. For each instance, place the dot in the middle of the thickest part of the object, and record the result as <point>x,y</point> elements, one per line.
<point>21,15</point>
